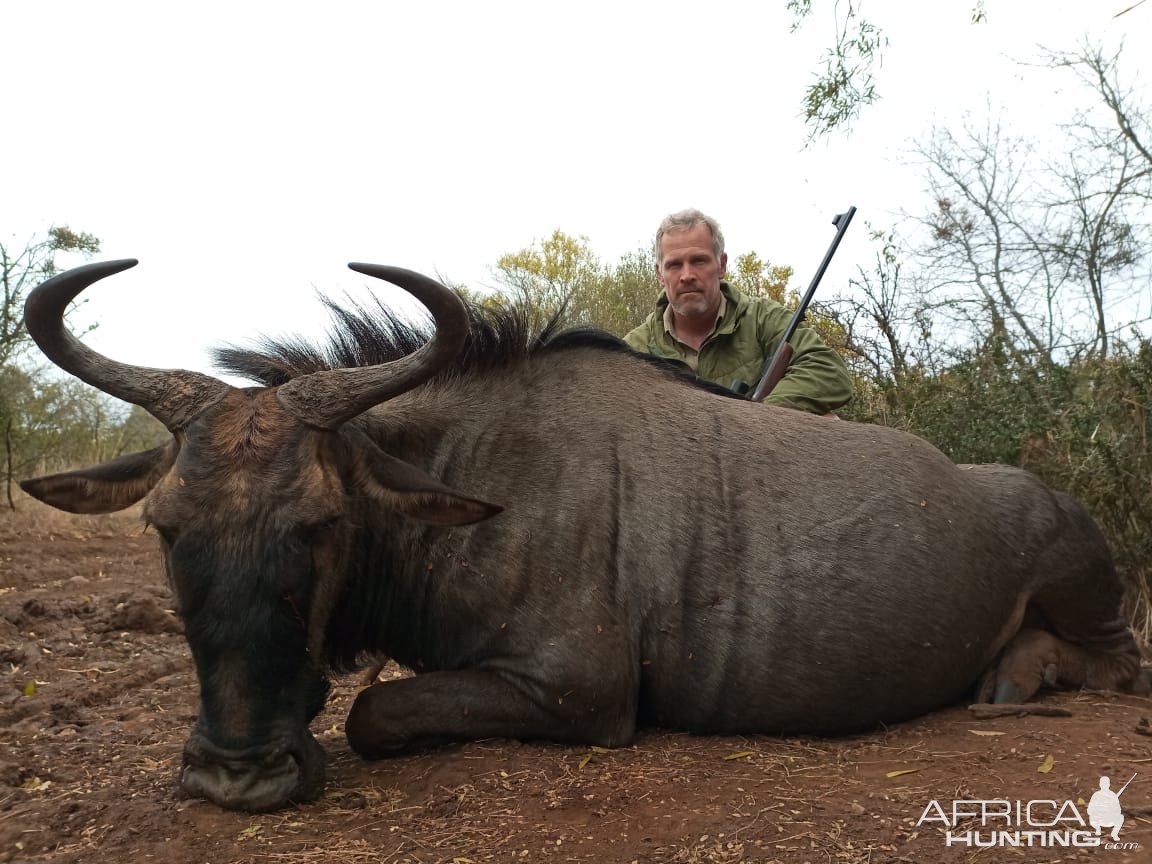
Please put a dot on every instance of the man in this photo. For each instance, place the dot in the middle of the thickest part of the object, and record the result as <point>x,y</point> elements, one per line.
<point>1104,809</point>
<point>724,336</point>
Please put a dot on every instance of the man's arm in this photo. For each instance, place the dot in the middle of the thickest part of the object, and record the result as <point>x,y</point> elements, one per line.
<point>817,379</point>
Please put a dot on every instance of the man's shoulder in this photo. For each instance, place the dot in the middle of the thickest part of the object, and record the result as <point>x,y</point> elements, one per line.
<point>765,311</point>
<point>640,336</point>
<point>767,304</point>
<point>644,326</point>
<point>744,303</point>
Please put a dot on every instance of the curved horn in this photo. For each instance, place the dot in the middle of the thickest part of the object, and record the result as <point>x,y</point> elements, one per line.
<point>172,396</point>
<point>331,398</point>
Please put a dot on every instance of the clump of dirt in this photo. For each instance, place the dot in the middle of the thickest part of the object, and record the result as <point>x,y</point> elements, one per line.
<point>144,615</point>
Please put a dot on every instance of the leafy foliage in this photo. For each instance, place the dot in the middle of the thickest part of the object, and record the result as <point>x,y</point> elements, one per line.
<point>563,276</point>
<point>21,271</point>
<point>758,278</point>
<point>846,85</point>
<point>548,276</point>
<point>623,293</point>
<point>48,423</point>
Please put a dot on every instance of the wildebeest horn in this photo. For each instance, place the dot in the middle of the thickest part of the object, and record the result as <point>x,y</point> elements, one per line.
<point>172,396</point>
<point>331,398</point>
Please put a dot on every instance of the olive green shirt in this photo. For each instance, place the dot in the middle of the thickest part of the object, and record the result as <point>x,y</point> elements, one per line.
<point>746,334</point>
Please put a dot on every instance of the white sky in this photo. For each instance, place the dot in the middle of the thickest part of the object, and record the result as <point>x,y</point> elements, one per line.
<point>245,151</point>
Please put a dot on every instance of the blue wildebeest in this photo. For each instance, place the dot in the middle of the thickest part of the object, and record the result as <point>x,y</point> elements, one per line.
<point>566,540</point>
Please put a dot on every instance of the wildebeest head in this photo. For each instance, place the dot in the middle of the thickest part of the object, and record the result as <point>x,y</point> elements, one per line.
<point>249,501</point>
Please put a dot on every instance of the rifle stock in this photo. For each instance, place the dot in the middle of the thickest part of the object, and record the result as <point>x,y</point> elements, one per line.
<point>774,369</point>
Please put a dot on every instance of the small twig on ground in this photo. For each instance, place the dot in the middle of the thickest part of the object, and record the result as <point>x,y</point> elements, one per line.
<point>987,711</point>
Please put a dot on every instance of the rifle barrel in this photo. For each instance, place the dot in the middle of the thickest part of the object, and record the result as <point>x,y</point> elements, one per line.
<point>764,385</point>
<point>841,221</point>
<point>1125,786</point>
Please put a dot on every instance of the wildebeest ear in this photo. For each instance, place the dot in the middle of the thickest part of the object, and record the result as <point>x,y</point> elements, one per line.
<point>406,489</point>
<point>106,487</point>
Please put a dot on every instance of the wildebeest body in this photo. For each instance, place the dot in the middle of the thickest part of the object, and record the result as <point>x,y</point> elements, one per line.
<point>566,540</point>
<point>750,570</point>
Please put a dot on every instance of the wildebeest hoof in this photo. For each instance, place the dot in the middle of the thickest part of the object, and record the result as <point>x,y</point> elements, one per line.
<point>985,687</point>
<point>1009,691</point>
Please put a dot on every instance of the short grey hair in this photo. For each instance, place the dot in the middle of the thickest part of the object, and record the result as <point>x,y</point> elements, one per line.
<point>684,220</point>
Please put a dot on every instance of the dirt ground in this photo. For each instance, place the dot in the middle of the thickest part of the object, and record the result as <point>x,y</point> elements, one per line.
<point>97,695</point>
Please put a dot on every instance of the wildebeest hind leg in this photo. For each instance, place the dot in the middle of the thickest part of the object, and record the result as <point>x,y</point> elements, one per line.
<point>1074,632</point>
<point>1036,658</point>
<point>409,714</point>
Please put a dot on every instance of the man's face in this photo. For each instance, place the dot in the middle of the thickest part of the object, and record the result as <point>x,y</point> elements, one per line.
<point>690,272</point>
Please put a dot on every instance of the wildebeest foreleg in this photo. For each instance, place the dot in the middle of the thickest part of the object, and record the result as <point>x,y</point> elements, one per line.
<point>407,714</point>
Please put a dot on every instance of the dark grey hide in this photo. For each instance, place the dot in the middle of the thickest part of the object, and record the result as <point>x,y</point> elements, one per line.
<point>664,555</point>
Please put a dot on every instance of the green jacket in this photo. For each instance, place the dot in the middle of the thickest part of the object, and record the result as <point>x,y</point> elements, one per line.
<point>817,379</point>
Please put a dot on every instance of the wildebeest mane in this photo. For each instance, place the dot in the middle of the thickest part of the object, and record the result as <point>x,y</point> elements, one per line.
<point>367,336</point>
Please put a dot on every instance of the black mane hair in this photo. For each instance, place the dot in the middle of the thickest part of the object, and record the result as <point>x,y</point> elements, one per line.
<point>369,336</point>
<point>360,336</point>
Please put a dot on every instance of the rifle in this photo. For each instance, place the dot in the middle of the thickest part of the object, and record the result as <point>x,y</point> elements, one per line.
<point>774,369</point>
<point>1125,786</point>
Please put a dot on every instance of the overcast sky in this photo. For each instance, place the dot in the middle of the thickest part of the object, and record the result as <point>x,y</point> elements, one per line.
<point>245,151</point>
